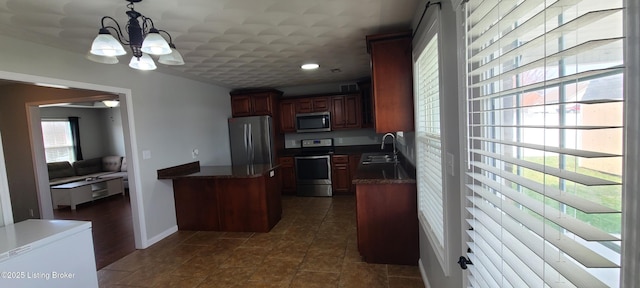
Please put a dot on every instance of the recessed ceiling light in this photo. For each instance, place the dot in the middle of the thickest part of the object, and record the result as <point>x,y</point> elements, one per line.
<point>310,66</point>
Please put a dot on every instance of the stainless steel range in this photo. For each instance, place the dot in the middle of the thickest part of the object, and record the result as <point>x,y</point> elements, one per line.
<point>313,168</point>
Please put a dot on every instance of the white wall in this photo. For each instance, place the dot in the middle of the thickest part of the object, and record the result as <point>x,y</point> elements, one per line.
<point>170,117</point>
<point>6,216</point>
<point>114,136</point>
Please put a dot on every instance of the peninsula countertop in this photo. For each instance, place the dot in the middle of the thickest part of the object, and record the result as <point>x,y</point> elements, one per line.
<point>383,173</point>
<point>194,170</point>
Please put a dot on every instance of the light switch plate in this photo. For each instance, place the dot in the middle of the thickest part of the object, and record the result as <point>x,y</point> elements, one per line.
<point>146,154</point>
<point>450,162</point>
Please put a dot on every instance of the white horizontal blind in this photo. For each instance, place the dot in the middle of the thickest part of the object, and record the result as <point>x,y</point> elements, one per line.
<point>428,147</point>
<point>545,109</point>
<point>58,142</point>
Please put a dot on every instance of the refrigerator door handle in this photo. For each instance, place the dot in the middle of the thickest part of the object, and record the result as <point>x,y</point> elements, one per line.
<point>246,140</point>
<point>252,155</point>
<point>267,146</point>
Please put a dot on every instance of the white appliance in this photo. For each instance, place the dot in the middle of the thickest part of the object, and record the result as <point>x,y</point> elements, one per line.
<point>47,253</point>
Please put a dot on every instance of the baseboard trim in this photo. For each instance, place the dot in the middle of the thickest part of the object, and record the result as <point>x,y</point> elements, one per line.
<point>423,274</point>
<point>160,236</point>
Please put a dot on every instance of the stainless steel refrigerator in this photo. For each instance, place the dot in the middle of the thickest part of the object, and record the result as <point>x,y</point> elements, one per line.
<point>251,140</point>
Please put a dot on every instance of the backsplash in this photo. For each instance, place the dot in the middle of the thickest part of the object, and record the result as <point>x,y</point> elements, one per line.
<point>405,140</point>
<point>406,145</point>
<point>340,138</point>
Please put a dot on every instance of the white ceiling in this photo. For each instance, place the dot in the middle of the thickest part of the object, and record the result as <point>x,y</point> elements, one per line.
<point>232,43</point>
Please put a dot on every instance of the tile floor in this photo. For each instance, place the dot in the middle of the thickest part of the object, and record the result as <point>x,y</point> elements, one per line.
<point>314,245</point>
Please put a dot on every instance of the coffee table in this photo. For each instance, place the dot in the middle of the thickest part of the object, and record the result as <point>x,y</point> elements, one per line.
<point>74,193</point>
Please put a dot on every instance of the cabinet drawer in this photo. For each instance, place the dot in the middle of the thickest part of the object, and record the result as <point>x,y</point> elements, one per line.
<point>340,159</point>
<point>288,161</point>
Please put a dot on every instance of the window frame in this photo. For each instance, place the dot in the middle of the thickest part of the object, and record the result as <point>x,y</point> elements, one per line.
<point>433,28</point>
<point>72,157</point>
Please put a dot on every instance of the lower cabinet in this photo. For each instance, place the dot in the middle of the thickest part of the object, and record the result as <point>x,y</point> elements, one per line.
<point>343,168</point>
<point>387,221</point>
<point>354,160</point>
<point>288,175</point>
<point>340,174</point>
<point>229,204</point>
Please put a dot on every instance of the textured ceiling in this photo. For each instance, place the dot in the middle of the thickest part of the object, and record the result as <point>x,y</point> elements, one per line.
<point>232,43</point>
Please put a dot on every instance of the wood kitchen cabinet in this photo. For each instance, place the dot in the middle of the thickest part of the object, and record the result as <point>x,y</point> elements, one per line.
<point>313,104</point>
<point>340,174</point>
<point>387,221</point>
<point>225,198</point>
<point>367,103</point>
<point>254,102</point>
<point>288,175</point>
<point>287,116</point>
<point>392,81</point>
<point>346,112</point>
<point>354,160</point>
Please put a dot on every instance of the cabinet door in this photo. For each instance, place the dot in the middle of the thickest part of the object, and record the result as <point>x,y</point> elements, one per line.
<point>337,112</point>
<point>262,104</point>
<point>341,176</point>
<point>366,103</point>
<point>288,175</point>
<point>354,161</point>
<point>392,81</point>
<point>320,104</point>
<point>240,105</point>
<point>352,111</point>
<point>304,105</point>
<point>287,116</point>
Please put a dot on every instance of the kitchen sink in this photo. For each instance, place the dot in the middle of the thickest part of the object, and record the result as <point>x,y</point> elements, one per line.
<point>378,158</point>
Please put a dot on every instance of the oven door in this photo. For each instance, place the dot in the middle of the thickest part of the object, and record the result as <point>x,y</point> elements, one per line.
<point>313,175</point>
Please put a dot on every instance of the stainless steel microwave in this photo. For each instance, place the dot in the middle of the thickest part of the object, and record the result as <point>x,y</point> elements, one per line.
<point>313,122</point>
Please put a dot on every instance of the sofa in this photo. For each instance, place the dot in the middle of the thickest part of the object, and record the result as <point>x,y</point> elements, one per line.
<point>65,172</point>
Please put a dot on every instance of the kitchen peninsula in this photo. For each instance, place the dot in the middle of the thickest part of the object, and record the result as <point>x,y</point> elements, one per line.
<point>385,196</point>
<point>239,198</point>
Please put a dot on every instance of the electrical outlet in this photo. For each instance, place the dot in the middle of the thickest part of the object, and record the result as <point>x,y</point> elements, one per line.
<point>194,153</point>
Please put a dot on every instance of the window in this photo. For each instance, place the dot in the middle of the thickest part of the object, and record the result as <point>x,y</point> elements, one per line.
<point>545,133</point>
<point>429,144</point>
<point>58,141</point>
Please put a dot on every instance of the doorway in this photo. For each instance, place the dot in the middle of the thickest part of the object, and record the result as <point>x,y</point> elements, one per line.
<point>37,150</point>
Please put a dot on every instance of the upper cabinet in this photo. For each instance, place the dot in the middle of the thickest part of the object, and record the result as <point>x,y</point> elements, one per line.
<point>314,104</point>
<point>367,103</point>
<point>288,116</point>
<point>346,112</point>
<point>254,102</point>
<point>391,81</point>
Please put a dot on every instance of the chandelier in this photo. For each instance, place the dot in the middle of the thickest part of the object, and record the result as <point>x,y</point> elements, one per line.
<point>144,40</point>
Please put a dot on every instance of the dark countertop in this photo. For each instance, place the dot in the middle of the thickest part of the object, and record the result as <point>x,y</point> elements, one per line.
<point>242,171</point>
<point>228,171</point>
<point>383,173</point>
<point>340,150</point>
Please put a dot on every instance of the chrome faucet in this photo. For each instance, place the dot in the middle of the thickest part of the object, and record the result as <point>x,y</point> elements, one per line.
<point>395,152</point>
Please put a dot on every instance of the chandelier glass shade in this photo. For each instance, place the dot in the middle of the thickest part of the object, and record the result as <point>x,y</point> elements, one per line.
<point>143,40</point>
<point>111,103</point>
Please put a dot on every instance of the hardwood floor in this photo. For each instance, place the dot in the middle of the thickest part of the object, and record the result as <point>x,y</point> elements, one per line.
<point>111,226</point>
